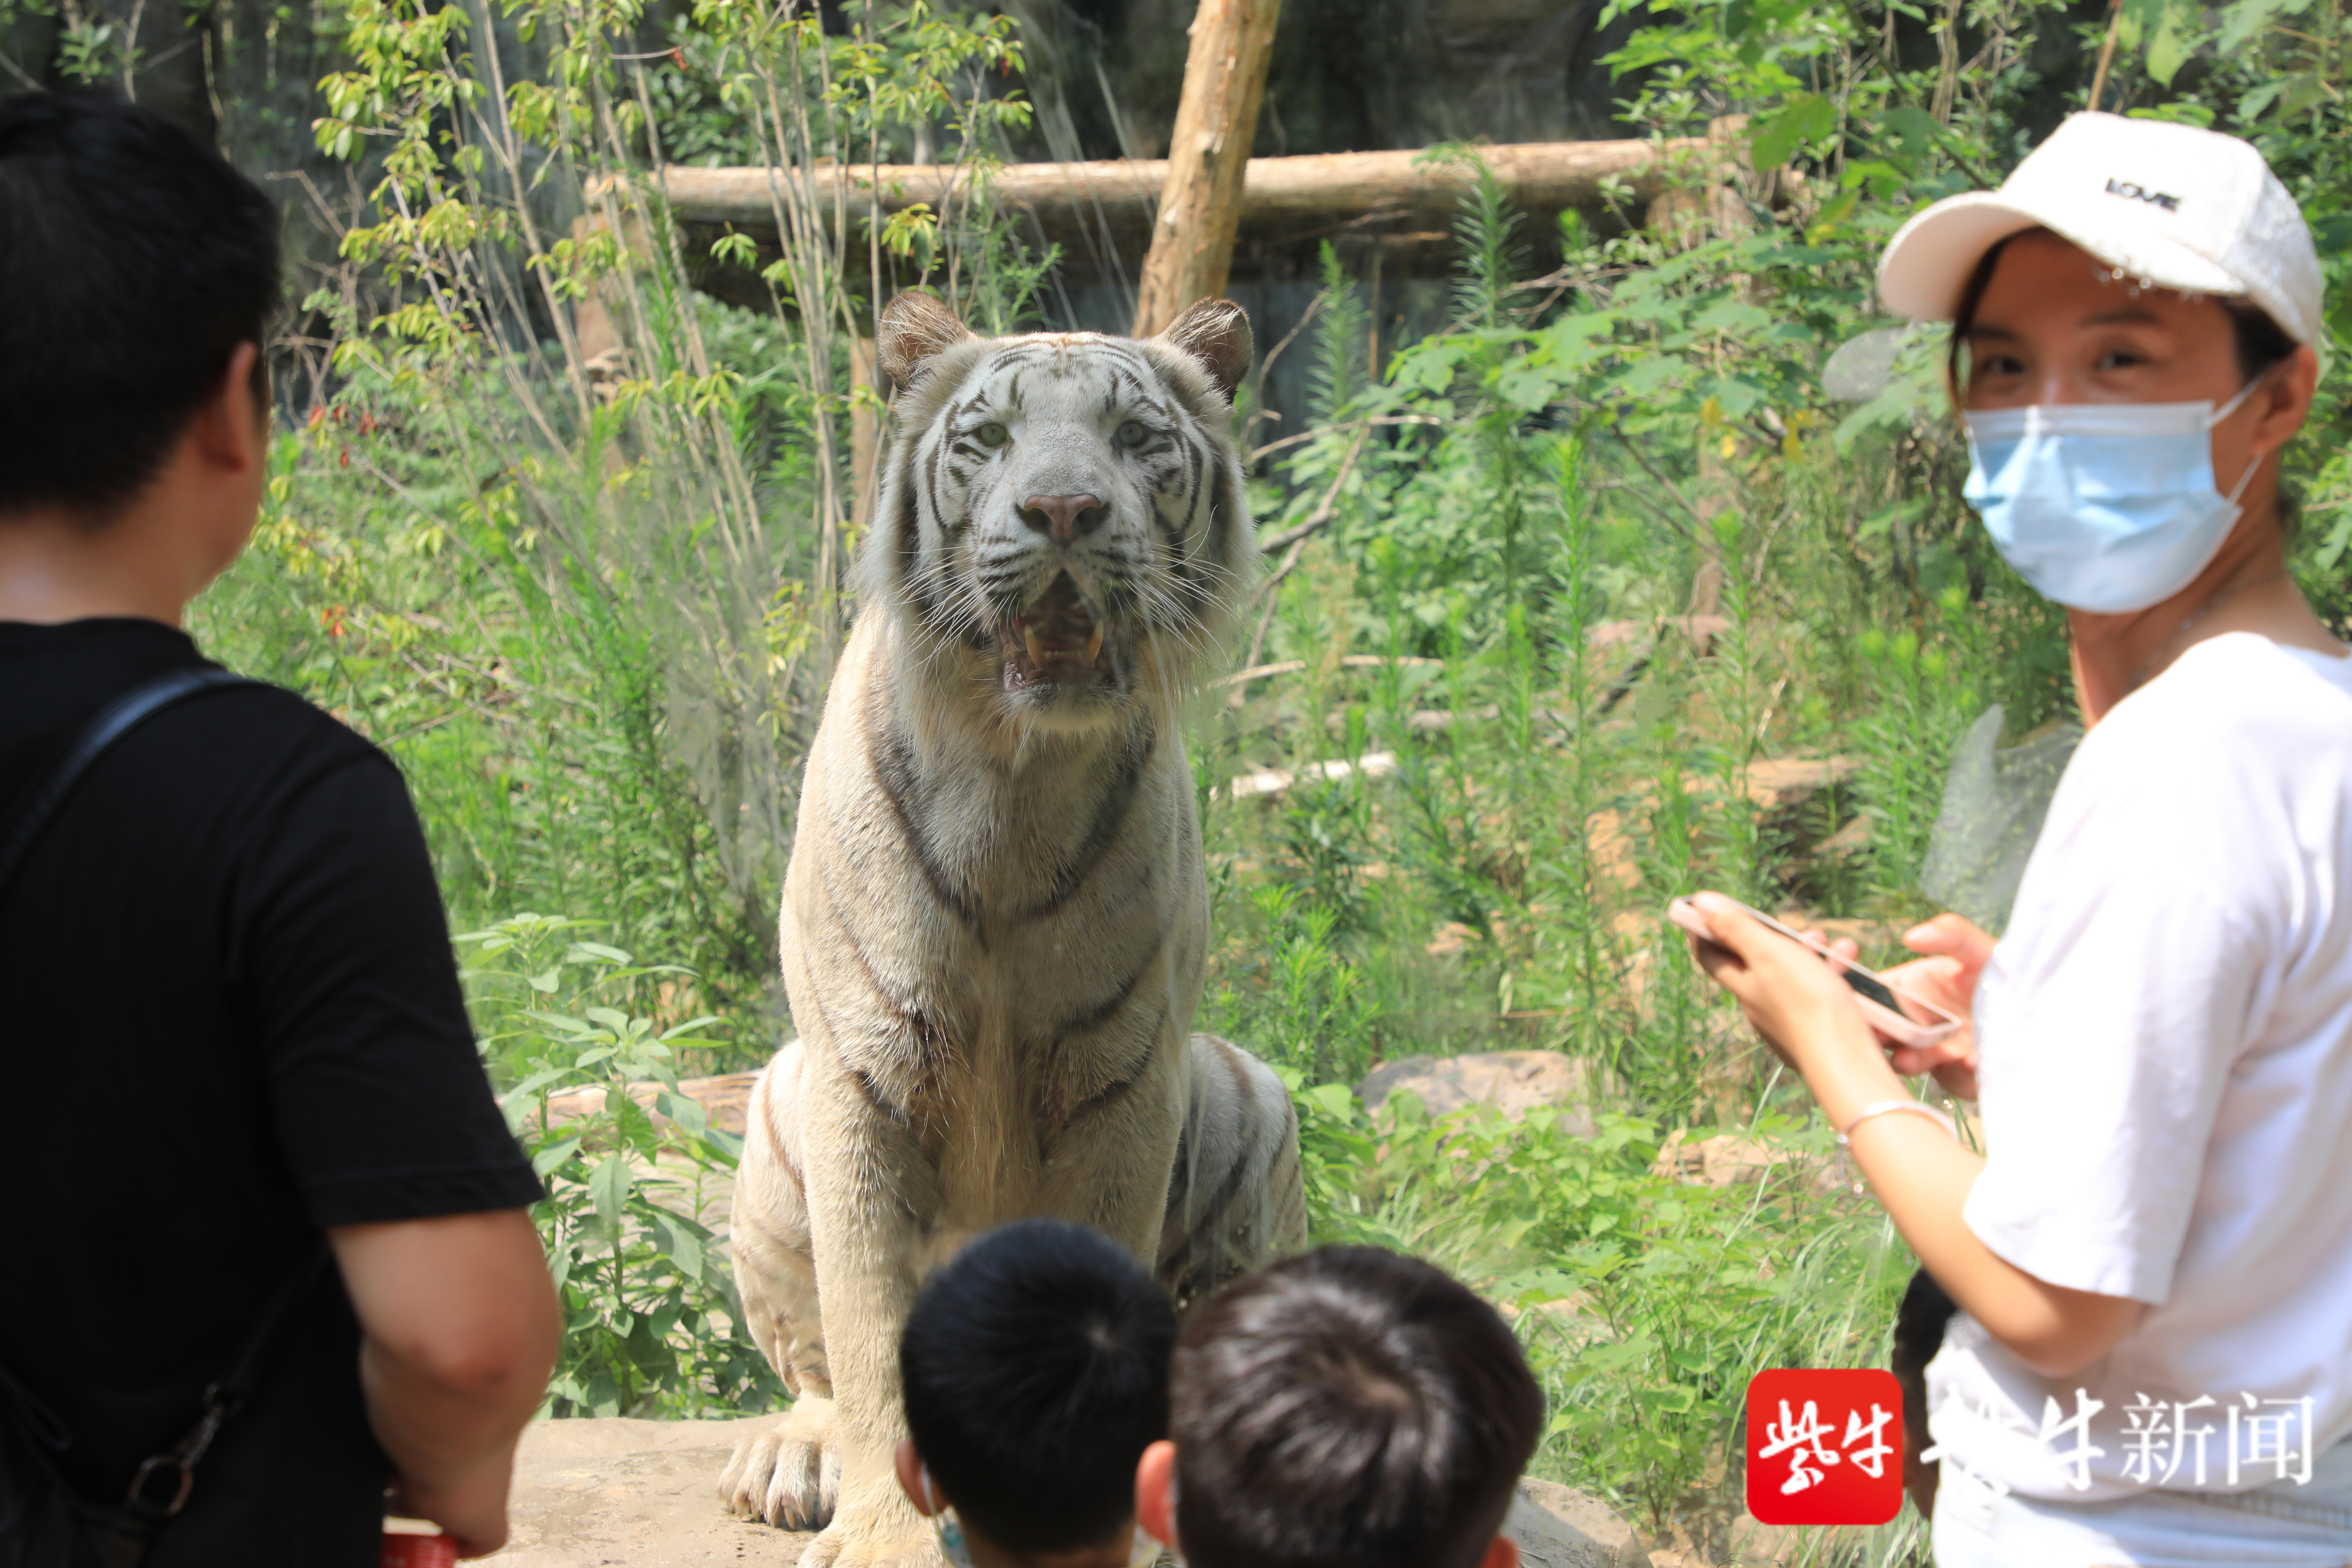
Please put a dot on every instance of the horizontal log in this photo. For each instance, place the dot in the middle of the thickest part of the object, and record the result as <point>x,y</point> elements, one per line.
<point>1278,193</point>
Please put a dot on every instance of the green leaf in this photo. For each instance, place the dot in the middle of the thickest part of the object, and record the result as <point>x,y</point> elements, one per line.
<point>2338,537</point>
<point>609,1187</point>
<point>1914,128</point>
<point>684,1109</point>
<point>1806,118</point>
<point>2242,23</point>
<point>531,1084</point>
<point>681,1244</point>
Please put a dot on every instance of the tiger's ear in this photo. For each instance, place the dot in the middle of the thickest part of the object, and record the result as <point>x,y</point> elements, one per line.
<point>916,326</point>
<point>1217,333</point>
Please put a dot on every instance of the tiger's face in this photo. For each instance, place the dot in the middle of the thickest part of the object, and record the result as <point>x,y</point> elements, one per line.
<point>1064,514</point>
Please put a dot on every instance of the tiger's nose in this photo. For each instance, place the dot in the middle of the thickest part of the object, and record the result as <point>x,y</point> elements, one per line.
<point>1063,517</point>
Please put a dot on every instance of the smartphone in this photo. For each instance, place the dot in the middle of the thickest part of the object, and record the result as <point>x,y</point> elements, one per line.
<point>1883,1004</point>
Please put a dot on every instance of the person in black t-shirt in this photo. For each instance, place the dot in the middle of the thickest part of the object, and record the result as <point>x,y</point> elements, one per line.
<point>229,1014</point>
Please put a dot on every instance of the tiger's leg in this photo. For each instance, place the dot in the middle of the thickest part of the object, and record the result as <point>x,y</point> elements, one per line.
<point>1237,1200</point>
<point>788,1475</point>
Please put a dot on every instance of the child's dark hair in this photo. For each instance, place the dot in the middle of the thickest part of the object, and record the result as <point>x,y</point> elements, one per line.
<point>1351,1408</point>
<point>132,262</point>
<point>1035,1370</point>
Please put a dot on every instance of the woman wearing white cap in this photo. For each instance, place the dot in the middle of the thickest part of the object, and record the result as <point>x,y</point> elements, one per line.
<point>2153,1260</point>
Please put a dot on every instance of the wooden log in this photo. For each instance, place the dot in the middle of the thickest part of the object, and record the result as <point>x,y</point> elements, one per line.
<point>1278,195</point>
<point>1208,151</point>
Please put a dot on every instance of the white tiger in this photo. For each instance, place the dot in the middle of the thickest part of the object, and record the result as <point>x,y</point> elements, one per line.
<point>996,916</point>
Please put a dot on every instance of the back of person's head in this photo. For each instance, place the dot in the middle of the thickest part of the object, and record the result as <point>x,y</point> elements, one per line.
<point>132,262</point>
<point>1036,1373</point>
<point>1350,1408</point>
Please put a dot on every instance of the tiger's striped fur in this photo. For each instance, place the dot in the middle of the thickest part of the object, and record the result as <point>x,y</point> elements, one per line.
<point>996,916</point>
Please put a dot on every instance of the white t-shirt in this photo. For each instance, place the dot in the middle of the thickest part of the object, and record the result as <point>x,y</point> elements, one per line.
<point>2164,1056</point>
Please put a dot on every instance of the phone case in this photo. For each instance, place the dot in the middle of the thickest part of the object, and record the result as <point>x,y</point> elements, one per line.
<point>1891,1025</point>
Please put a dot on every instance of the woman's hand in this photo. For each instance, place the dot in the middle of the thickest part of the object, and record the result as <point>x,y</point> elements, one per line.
<point>1957,950</point>
<point>1793,995</point>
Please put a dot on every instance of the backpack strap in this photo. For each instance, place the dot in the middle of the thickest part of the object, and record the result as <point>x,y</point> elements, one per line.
<point>161,1487</point>
<point>116,719</point>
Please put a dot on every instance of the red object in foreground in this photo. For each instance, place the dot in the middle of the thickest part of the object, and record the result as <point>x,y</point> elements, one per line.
<point>1824,1446</point>
<point>418,1552</point>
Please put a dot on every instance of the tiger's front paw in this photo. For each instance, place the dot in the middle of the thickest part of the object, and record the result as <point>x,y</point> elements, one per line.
<point>788,1475</point>
<point>886,1542</point>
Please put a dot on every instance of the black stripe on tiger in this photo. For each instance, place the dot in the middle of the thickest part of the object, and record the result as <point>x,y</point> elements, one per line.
<point>931,489</point>
<point>1110,814</point>
<point>903,1155</point>
<point>894,770</point>
<point>934,1047</point>
<point>1132,1073</point>
<point>1245,1154</point>
<point>1102,1013</point>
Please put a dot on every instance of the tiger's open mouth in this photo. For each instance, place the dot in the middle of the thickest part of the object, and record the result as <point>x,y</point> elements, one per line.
<point>1056,641</point>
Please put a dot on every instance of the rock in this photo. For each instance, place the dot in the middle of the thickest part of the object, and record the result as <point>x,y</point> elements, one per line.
<point>1514,1082</point>
<point>1782,783</point>
<point>1702,630</point>
<point>1450,939</point>
<point>1559,1527</point>
<point>645,1493</point>
<point>1780,788</point>
<point>1743,1543</point>
<point>724,1100</point>
<point>1728,1160</point>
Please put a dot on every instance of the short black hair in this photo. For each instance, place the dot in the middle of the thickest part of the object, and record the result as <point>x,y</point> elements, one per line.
<point>1035,1371</point>
<point>132,262</point>
<point>1349,1408</point>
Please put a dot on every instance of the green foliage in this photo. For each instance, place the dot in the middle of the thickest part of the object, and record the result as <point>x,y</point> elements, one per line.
<point>1645,1303</point>
<point>651,1322</point>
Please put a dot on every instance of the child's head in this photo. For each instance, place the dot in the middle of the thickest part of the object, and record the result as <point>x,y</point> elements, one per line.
<point>1036,1369</point>
<point>1351,1408</point>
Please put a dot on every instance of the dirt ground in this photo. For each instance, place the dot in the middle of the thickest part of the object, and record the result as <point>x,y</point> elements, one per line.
<point>644,1493</point>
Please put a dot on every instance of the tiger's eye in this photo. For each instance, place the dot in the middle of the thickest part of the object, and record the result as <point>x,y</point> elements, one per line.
<point>993,434</point>
<point>1133,434</point>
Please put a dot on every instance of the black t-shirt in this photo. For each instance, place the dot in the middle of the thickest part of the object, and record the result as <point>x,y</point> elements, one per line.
<point>229,1018</point>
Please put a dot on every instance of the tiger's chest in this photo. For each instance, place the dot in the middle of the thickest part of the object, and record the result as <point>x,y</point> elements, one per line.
<point>1043,918</point>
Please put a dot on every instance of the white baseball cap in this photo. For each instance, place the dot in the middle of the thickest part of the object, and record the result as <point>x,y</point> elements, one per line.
<point>2170,206</point>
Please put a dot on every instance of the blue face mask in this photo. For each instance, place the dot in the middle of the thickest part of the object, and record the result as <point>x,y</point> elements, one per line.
<point>2104,507</point>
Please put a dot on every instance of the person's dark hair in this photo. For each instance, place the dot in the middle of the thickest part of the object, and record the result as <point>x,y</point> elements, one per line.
<point>1036,1373</point>
<point>1350,1408</point>
<point>1919,1324</point>
<point>132,262</point>
<point>2261,341</point>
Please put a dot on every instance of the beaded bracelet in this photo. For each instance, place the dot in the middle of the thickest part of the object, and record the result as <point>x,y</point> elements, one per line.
<point>1881,1107</point>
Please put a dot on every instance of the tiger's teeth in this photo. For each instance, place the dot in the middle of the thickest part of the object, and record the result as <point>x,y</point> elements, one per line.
<point>1094,643</point>
<point>1036,652</point>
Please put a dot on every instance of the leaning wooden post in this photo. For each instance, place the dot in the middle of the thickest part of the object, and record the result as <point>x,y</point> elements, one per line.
<point>1201,206</point>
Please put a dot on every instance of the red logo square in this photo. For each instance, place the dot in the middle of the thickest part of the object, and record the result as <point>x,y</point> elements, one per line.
<point>1824,1446</point>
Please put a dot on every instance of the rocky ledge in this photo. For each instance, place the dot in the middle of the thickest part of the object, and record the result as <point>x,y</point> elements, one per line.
<point>644,1493</point>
